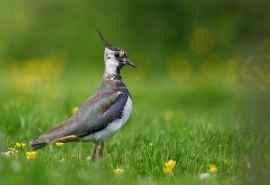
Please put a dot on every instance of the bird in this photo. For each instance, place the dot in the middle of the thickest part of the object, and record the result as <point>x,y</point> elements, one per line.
<point>101,115</point>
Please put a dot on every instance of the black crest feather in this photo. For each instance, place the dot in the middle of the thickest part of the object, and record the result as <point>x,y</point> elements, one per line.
<point>106,43</point>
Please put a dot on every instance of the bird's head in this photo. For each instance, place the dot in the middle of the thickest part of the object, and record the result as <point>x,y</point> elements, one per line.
<point>114,58</point>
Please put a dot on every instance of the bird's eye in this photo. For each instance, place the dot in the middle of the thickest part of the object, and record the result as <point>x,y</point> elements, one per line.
<point>117,54</point>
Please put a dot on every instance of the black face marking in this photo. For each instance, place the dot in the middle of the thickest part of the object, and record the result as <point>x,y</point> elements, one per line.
<point>117,54</point>
<point>120,54</point>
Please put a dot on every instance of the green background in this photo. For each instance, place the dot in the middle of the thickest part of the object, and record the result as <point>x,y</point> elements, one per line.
<point>200,89</point>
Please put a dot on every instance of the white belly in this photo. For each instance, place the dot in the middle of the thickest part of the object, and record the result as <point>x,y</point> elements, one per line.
<point>113,127</point>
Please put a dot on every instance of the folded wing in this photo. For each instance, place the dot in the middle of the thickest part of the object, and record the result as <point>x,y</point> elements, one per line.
<point>93,116</point>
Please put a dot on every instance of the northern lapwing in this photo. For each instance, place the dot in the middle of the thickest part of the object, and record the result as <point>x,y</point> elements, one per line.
<point>101,115</point>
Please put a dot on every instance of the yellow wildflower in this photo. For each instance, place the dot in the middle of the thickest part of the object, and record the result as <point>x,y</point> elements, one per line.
<point>31,155</point>
<point>59,144</point>
<point>213,168</point>
<point>20,145</point>
<point>118,171</point>
<point>75,110</point>
<point>169,167</point>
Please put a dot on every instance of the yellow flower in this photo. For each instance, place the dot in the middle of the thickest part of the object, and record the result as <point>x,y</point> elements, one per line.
<point>169,167</point>
<point>20,145</point>
<point>31,155</point>
<point>59,144</point>
<point>213,168</point>
<point>118,171</point>
<point>75,110</point>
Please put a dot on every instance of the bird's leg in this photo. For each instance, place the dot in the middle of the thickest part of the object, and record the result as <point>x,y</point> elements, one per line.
<point>97,151</point>
<point>94,152</point>
<point>101,148</point>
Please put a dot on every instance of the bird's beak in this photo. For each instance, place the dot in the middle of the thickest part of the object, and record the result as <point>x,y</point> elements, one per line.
<point>129,63</point>
<point>126,61</point>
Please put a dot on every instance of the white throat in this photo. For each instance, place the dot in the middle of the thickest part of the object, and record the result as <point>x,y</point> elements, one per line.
<point>111,67</point>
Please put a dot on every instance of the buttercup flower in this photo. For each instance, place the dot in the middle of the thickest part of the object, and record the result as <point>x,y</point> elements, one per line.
<point>118,171</point>
<point>75,110</point>
<point>31,155</point>
<point>59,144</point>
<point>169,167</point>
<point>20,145</point>
<point>213,169</point>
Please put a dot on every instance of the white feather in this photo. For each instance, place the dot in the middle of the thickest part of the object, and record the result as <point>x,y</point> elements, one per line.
<point>111,62</point>
<point>111,66</point>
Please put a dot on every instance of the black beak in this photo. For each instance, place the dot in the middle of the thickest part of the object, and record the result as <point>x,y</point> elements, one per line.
<point>129,63</point>
<point>126,61</point>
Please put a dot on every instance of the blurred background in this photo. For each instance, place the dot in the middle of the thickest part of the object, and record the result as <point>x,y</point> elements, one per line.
<point>178,40</point>
<point>199,54</point>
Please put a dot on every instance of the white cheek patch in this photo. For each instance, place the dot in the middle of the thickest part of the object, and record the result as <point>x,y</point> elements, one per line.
<point>111,62</point>
<point>111,66</point>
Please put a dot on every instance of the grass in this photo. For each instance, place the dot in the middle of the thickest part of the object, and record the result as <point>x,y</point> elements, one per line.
<point>193,124</point>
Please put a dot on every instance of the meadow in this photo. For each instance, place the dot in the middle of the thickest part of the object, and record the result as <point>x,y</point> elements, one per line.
<point>193,119</point>
<point>200,90</point>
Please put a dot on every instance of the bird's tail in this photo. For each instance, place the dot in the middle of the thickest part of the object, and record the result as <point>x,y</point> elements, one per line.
<point>61,133</point>
<point>38,143</point>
